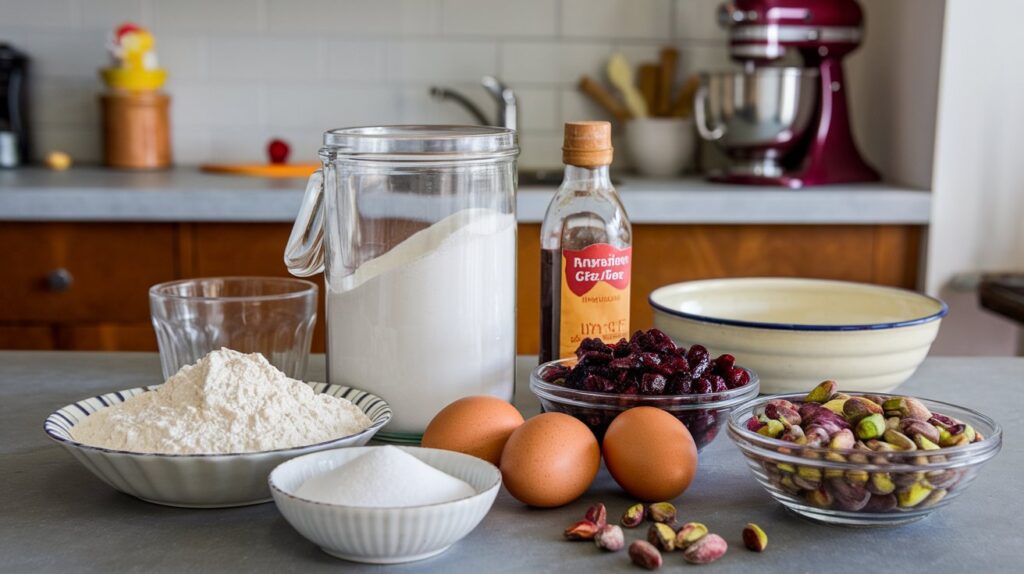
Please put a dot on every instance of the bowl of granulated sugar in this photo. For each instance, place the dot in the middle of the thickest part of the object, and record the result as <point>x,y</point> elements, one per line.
<point>385,504</point>
<point>210,435</point>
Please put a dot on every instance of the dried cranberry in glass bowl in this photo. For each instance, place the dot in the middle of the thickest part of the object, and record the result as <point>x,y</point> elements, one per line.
<point>648,364</point>
<point>647,370</point>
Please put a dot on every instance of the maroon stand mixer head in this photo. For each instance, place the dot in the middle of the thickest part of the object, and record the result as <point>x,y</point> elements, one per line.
<point>822,32</point>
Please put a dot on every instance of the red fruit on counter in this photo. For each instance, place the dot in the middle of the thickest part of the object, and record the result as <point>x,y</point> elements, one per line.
<point>278,151</point>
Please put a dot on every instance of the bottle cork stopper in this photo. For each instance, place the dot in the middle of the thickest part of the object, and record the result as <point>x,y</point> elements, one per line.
<point>587,144</point>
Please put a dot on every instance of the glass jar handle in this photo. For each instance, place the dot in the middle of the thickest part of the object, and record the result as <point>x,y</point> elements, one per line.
<point>304,254</point>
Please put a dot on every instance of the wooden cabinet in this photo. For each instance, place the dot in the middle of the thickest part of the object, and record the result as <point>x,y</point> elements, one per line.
<point>247,249</point>
<point>112,266</point>
<point>663,254</point>
<point>70,273</point>
<point>27,337</point>
<point>82,286</point>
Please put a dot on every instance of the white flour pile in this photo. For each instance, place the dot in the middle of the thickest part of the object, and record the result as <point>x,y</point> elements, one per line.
<point>228,402</point>
<point>430,321</point>
<point>385,476</point>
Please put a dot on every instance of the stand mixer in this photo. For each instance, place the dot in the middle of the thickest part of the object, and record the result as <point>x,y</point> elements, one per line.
<point>784,125</point>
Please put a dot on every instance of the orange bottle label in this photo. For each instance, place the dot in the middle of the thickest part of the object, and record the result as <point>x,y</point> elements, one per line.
<point>595,295</point>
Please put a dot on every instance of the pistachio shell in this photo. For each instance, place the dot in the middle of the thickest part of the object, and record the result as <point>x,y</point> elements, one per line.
<point>915,427</point>
<point>871,426</point>
<point>809,473</point>
<point>663,512</point>
<point>633,516</point>
<point>662,536</point>
<point>771,429</point>
<point>880,503</point>
<point>690,533</point>
<point>707,549</point>
<point>899,440</point>
<point>881,483</point>
<point>821,393</point>
<point>857,408</point>
<point>843,439</point>
<point>846,496</point>
<point>835,405</point>
<point>820,498</point>
<point>913,496</point>
<point>754,538</point>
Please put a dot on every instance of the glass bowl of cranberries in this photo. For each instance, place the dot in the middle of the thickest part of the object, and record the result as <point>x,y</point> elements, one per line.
<point>647,370</point>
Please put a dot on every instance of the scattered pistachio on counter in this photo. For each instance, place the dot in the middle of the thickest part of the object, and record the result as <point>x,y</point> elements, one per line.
<point>597,514</point>
<point>581,530</point>
<point>610,538</point>
<point>754,538</point>
<point>645,555</point>
<point>690,533</point>
<point>663,512</point>
<point>662,536</point>
<point>696,544</point>
<point>706,549</point>
<point>634,516</point>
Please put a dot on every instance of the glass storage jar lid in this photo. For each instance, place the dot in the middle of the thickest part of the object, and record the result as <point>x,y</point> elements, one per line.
<point>429,142</point>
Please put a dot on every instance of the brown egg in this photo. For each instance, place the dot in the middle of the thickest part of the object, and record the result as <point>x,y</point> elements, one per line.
<point>650,454</point>
<point>474,425</point>
<point>550,460</point>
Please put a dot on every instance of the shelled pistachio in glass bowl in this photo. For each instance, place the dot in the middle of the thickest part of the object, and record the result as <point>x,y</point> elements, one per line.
<point>862,459</point>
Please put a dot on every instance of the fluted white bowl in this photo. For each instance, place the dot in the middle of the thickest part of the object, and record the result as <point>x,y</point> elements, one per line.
<point>385,535</point>
<point>197,480</point>
<point>661,147</point>
<point>795,333</point>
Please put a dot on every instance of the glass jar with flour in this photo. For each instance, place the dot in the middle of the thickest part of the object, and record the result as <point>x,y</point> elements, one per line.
<point>414,229</point>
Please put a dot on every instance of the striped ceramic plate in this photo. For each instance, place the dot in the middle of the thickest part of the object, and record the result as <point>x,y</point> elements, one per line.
<point>197,480</point>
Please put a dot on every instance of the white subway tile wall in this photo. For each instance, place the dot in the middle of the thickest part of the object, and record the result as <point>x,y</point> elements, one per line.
<point>243,71</point>
<point>617,18</point>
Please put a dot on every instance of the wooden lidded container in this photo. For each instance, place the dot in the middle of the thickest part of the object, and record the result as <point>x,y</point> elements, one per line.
<point>136,129</point>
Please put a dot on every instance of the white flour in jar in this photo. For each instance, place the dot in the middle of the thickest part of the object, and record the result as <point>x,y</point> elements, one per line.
<point>227,402</point>
<point>430,321</point>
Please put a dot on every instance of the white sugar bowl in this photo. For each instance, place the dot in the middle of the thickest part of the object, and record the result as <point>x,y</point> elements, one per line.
<point>385,535</point>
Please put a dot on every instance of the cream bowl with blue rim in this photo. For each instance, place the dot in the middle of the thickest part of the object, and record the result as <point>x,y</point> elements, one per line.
<point>796,333</point>
<point>197,480</point>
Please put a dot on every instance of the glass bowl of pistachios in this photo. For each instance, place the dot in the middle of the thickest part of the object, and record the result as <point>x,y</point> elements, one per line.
<point>859,459</point>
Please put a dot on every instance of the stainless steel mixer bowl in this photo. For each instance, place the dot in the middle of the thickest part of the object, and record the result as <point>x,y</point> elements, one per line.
<point>756,112</point>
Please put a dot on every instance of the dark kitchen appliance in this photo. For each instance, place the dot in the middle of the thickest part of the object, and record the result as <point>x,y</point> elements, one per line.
<point>14,130</point>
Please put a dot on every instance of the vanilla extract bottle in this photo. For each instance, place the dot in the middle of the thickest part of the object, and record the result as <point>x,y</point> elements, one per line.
<point>586,249</point>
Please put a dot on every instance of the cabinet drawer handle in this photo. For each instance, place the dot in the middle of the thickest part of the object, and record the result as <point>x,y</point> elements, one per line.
<point>60,280</point>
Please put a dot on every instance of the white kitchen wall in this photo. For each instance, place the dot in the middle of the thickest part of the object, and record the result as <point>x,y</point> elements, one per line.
<point>893,81</point>
<point>243,71</point>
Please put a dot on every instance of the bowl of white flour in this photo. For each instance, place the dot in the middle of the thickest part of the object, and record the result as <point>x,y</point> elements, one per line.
<point>210,435</point>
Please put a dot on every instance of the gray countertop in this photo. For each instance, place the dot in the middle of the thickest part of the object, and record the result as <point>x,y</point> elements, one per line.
<point>186,194</point>
<point>57,517</point>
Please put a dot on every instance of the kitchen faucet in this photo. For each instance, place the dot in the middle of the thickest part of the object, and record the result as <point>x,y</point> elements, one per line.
<point>502,94</point>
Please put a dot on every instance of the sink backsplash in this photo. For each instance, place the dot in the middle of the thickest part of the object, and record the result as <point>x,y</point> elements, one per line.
<point>243,71</point>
